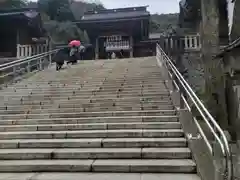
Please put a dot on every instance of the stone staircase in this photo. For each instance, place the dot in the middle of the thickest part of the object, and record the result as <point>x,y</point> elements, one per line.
<point>99,119</point>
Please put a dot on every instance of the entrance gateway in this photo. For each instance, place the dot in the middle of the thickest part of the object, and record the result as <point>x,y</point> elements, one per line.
<point>117,30</point>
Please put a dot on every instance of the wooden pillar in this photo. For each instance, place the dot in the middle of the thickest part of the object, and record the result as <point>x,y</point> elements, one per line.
<point>97,49</point>
<point>131,46</point>
<point>142,27</point>
<point>18,45</point>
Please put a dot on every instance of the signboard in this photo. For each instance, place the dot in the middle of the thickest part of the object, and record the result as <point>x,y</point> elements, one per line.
<point>116,43</point>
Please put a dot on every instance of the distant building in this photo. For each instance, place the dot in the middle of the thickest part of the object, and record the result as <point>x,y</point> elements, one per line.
<point>113,30</point>
<point>19,27</point>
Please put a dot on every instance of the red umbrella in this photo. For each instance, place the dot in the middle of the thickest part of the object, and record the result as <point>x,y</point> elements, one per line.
<point>75,43</point>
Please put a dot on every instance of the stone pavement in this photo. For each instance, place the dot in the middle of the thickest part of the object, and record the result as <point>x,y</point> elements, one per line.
<point>96,117</point>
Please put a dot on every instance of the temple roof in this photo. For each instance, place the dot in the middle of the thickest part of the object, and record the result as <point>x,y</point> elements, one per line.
<point>28,12</point>
<point>28,17</point>
<point>115,14</point>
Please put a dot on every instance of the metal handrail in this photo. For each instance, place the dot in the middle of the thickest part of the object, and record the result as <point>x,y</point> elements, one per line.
<point>23,60</point>
<point>207,117</point>
<point>17,68</point>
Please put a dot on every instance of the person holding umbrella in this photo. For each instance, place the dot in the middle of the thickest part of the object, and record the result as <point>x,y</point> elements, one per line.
<point>74,50</point>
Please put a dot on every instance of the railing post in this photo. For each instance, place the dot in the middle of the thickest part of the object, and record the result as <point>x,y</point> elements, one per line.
<point>50,55</point>
<point>18,50</point>
<point>14,71</point>
<point>40,64</point>
<point>28,67</point>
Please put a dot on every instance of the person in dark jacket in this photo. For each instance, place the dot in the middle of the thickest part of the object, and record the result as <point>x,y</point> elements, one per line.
<point>73,55</point>
<point>60,57</point>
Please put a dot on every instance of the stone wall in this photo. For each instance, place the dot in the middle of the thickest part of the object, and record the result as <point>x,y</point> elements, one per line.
<point>192,68</point>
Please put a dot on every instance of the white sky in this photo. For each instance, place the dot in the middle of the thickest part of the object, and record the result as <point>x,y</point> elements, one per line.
<point>155,6</point>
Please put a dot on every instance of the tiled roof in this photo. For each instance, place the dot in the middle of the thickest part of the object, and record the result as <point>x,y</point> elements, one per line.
<point>12,12</point>
<point>115,14</point>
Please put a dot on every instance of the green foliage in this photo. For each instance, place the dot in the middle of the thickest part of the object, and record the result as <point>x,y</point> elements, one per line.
<point>57,15</point>
<point>58,10</point>
<point>79,7</point>
<point>163,23</point>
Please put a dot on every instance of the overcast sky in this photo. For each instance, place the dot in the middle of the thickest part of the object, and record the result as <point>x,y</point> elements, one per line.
<point>155,6</point>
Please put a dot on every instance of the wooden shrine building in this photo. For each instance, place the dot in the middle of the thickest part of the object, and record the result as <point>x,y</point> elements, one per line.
<point>18,27</point>
<point>115,30</point>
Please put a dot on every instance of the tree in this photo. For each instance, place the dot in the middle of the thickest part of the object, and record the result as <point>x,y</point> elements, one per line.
<point>63,32</point>
<point>163,23</point>
<point>58,10</point>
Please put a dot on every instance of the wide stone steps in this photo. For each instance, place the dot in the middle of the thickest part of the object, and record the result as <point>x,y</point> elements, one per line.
<point>93,126</point>
<point>98,176</point>
<point>87,114</point>
<point>87,119</point>
<point>94,143</point>
<point>95,153</point>
<point>111,165</point>
<point>95,118</point>
<point>120,133</point>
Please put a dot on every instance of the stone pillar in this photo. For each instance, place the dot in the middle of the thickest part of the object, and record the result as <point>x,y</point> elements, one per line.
<point>97,49</point>
<point>214,90</point>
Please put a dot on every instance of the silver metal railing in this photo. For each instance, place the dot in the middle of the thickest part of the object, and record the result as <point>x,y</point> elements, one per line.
<point>15,69</point>
<point>212,125</point>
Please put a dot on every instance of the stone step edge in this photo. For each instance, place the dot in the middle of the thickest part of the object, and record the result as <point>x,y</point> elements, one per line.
<point>101,112</point>
<point>93,142</point>
<point>95,153</point>
<point>93,124</point>
<point>113,165</point>
<point>98,176</point>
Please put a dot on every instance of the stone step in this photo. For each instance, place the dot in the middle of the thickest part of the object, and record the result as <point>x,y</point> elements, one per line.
<point>94,143</point>
<point>76,103</point>
<point>115,165</point>
<point>82,87</point>
<point>120,133</point>
<point>97,176</point>
<point>95,153</point>
<point>79,107</point>
<point>74,99</point>
<point>87,86</point>
<point>121,78</point>
<point>87,120</point>
<point>89,114</point>
<point>93,126</point>
<point>86,109</point>
<point>133,80</point>
<point>90,94</point>
<point>95,99</point>
<point>56,93</point>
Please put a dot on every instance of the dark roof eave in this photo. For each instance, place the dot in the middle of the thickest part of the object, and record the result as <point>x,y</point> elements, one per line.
<point>112,20</point>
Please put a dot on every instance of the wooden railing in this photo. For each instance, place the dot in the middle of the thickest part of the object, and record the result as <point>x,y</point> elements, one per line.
<point>30,50</point>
